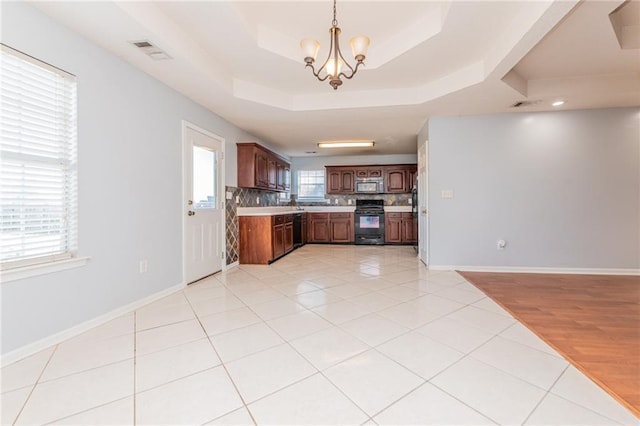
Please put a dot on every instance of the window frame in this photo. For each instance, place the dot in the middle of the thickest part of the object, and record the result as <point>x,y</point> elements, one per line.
<point>324,186</point>
<point>27,162</point>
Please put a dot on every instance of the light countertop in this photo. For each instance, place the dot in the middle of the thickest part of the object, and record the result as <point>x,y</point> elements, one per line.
<point>397,209</point>
<point>271,211</point>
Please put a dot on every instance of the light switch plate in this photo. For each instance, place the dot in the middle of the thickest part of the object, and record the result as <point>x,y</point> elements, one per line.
<point>447,193</point>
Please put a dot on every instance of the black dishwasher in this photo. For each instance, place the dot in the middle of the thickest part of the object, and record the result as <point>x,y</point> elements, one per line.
<point>297,230</point>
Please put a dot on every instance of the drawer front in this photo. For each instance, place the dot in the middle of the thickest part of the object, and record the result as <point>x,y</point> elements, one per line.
<point>278,219</point>
<point>395,215</point>
<point>288,218</point>
<point>318,216</point>
<point>407,215</point>
<point>340,215</point>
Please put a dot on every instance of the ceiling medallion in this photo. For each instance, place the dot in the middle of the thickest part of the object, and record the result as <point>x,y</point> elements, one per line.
<point>335,61</point>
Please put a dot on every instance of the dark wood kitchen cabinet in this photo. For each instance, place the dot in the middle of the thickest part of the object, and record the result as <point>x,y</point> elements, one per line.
<point>336,227</point>
<point>409,228</point>
<point>272,168</point>
<point>340,180</point>
<point>283,176</point>
<point>260,168</point>
<point>368,172</point>
<point>392,228</point>
<point>318,224</point>
<point>400,228</point>
<point>341,226</point>
<point>278,236</point>
<point>264,239</point>
<point>288,233</point>
<point>399,179</point>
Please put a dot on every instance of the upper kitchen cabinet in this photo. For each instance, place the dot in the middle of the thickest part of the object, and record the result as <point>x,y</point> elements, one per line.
<point>368,172</point>
<point>340,180</point>
<point>260,168</point>
<point>399,178</point>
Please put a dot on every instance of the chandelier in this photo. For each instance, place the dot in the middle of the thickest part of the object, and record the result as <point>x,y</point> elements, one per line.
<point>332,66</point>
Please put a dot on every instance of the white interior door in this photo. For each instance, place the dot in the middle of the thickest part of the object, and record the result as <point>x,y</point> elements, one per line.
<point>203,229</point>
<point>423,198</point>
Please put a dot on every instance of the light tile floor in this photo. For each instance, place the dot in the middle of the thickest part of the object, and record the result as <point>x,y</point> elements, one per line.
<point>327,335</point>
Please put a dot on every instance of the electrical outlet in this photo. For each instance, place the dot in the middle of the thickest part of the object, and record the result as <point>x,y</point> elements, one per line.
<point>229,195</point>
<point>349,202</point>
<point>257,200</point>
<point>143,266</point>
<point>237,199</point>
<point>501,244</point>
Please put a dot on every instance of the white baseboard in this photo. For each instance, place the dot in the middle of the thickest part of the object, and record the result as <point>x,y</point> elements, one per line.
<point>32,348</point>
<point>232,265</point>
<point>535,270</point>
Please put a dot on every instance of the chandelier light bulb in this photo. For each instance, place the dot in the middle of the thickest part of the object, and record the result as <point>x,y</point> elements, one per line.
<point>331,67</point>
<point>310,49</point>
<point>359,46</point>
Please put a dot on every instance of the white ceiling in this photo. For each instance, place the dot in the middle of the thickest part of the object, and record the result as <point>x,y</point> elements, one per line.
<point>242,60</point>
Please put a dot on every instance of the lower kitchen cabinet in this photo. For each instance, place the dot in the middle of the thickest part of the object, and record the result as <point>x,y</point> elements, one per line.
<point>341,227</point>
<point>263,239</point>
<point>400,228</point>
<point>318,224</point>
<point>288,236</point>
<point>334,227</point>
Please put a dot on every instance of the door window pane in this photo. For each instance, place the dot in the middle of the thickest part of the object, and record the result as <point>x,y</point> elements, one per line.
<point>204,178</point>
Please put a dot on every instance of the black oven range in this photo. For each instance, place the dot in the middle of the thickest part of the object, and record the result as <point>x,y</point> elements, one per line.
<point>369,222</point>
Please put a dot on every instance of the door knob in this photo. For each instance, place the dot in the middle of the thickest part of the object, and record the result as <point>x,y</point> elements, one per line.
<point>191,213</point>
<point>424,211</point>
<point>190,202</point>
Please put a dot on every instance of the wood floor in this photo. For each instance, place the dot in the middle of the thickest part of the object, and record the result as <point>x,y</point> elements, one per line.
<point>592,320</point>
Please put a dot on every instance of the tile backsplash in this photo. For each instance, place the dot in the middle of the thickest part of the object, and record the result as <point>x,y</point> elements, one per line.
<point>246,198</point>
<point>389,199</point>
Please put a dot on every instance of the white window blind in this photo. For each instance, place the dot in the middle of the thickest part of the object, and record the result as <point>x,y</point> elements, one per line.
<point>38,179</point>
<point>311,184</point>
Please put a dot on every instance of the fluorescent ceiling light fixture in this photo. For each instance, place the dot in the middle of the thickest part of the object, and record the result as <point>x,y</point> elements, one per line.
<point>347,144</point>
<point>557,103</point>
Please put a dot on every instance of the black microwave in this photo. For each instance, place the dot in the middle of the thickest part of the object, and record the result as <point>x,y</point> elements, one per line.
<point>369,185</point>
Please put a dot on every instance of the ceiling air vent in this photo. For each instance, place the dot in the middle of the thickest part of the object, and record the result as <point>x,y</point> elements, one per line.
<point>142,44</point>
<point>521,104</point>
<point>154,52</point>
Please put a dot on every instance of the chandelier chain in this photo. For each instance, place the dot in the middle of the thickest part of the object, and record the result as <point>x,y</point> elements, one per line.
<point>335,21</point>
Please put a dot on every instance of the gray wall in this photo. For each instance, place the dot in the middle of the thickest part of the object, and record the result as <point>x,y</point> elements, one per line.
<point>562,188</point>
<point>130,183</point>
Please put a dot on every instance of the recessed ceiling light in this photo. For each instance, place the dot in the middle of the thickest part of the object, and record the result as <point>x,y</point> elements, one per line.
<point>346,144</point>
<point>557,103</point>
